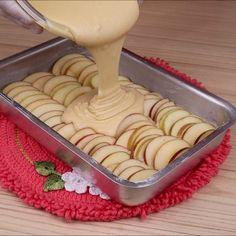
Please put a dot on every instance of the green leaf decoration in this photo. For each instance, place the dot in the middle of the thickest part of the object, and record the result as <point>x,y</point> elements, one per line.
<point>54,182</point>
<point>44,168</point>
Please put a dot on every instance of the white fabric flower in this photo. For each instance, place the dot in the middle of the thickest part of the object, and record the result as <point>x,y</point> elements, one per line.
<point>70,177</point>
<point>76,182</point>
<point>70,187</point>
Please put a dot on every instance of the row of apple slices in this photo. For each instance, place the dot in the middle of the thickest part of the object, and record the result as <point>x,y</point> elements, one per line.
<point>32,98</point>
<point>114,157</point>
<point>133,128</point>
<point>86,72</point>
<point>96,144</point>
<point>176,121</point>
<point>82,68</point>
<point>180,123</point>
<point>78,66</point>
<point>117,159</point>
<point>64,89</point>
<point>41,105</point>
<point>158,151</point>
<point>141,137</point>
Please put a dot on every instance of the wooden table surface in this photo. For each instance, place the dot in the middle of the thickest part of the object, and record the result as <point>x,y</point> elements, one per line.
<point>197,37</point>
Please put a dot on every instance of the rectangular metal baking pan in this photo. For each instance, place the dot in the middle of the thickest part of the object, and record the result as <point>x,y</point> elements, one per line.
<point>208,106</point>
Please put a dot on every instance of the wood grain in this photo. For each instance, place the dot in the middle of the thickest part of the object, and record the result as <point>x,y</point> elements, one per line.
<point>197,37</point>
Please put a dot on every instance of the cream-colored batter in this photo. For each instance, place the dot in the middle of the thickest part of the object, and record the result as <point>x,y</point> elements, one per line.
<point>100,26</point>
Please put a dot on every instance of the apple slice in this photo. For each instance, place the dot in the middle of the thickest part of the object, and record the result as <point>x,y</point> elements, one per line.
<point>91,77</point>
<point>148,104</point>
<point>115,158</point>
<point>91,144</point>
<point>156,107</point>
<point>94,149</point>
<point>74,94</point>
<point>33,77</point>
<point>182,122</point>
<point>59,126</point>
<point>94,81</point>
<point>136,134</point>
<point>86,81</point>
<point>67,131</point>
<point>71,62</point>
<point>105,151</point>
<point>40,82</point>
<point>46,108</point>
<point>168,151</point>
<point>127,173</point>
<point>184,129</point>
<point>31,93</point>
<point>52,83</point>
<point>56,70</point>
<point>160,113</point>
<point>128,120</point>
<point>170,118</point>
<point>50,114</point>
<point>77,68</point>
<point>195,131</point>
<point>138,124</point>
<point>11,86</point>
<point>86,72</point>
<point>81,143</point>
<point>203,136</point>
<point>32,106</point>
<point>63,85</point>
<point>123,139</point>
<point>35,97</point>
<point>166,104</point>
<point>19,90</point>
<point>53,121</point>
<point>139,149</point>
<point>61,93</point>
<point>81,134</point>
<point>126,164</point>
<point>152,131</point>
<point>142,175</point>
<point>153,147</point>
<point>180,153</point>
<point>112,167</point>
